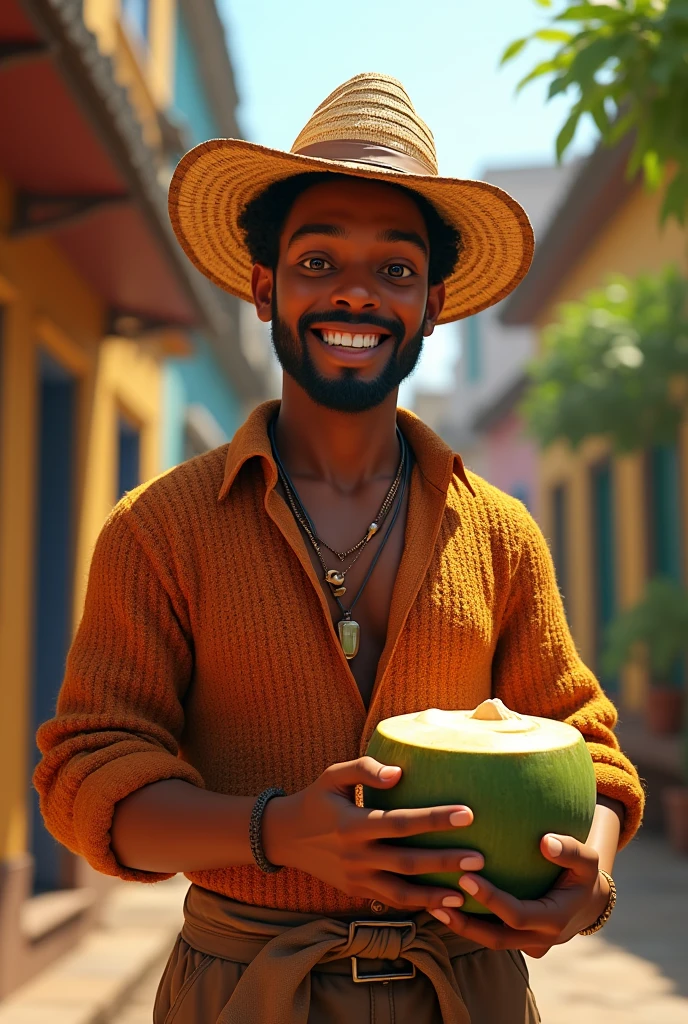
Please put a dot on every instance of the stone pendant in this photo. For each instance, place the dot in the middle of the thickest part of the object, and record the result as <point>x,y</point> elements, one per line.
<point>349,637</point>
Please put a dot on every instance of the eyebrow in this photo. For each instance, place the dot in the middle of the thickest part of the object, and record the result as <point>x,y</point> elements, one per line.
<point>393,235</point>
<point>337,231</point>
<point>333,230</point>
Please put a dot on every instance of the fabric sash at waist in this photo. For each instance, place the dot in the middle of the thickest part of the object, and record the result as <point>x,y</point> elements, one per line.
<point>281,948</point>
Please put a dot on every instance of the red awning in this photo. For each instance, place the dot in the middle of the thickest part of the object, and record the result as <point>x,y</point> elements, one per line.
<point>57,152</point>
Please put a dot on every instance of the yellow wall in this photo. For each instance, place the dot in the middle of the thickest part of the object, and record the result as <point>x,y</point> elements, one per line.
<point>45,304</point>
<point>630,244</point>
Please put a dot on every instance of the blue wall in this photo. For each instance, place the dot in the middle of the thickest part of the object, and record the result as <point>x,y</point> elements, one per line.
<point>189,94</point>
<point>195,381</point>
<point>199,379</point>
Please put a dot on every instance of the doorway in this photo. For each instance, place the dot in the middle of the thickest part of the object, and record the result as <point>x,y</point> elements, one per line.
<point>53,573</point>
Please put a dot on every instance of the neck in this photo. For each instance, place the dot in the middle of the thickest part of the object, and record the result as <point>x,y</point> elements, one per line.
<point>345,450</point>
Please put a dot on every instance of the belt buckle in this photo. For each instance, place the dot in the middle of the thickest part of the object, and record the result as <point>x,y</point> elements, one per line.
<point>400,975</point>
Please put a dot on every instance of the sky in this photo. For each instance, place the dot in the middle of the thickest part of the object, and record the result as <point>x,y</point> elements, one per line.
<point>288,55</point>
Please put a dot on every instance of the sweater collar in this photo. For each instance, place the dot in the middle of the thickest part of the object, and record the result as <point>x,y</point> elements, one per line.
<point>436,461</point>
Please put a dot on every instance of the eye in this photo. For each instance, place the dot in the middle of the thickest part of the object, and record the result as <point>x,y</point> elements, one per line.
<point>316,263</point>
<point>398,270</point>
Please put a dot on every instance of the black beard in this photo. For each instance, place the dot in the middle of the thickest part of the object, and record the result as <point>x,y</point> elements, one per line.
<point>346,393</point>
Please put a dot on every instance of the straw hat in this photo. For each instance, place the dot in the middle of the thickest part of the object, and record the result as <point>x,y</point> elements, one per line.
<point>367,128</point>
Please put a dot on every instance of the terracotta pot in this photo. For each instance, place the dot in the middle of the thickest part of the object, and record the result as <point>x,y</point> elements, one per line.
<point>664,709</point>
<point>675,800</point>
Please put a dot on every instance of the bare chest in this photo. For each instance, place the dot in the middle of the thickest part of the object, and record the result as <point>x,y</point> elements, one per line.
<point>341,524</point>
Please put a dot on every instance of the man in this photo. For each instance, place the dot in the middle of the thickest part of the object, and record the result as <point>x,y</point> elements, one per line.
<point>252,614</point>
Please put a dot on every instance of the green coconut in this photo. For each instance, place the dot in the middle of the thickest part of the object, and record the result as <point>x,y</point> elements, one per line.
<point>522,777</point>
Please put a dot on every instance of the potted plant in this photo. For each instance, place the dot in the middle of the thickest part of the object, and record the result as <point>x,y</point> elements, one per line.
<point>654,633</point>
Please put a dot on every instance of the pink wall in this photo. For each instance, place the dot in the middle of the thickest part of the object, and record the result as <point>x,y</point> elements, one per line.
<point>511,459</point>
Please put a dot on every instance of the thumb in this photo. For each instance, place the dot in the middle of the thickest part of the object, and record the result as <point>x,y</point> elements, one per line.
<point>569,853</point>
<point>364,771</point>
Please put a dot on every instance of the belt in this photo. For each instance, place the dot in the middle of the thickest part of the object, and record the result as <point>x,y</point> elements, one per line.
<point>281,948</point>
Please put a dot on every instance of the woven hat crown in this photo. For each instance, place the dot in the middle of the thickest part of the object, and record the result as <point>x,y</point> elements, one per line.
<point>371,108</point>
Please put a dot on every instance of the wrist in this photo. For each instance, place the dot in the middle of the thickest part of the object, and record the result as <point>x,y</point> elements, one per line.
<point>277,816</point>
<point>603,904</point>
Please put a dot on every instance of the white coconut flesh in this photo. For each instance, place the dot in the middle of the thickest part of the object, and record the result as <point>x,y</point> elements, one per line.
<point>490,728</point>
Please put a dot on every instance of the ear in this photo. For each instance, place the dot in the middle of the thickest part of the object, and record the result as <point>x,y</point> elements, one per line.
<point>262,283</point>
<point>433,308</point>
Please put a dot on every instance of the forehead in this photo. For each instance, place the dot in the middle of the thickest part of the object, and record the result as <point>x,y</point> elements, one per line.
<point>356,203</point>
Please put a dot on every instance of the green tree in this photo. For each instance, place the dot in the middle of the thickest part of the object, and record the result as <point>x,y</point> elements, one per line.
<point>626,65</point>
<point>615,364</point>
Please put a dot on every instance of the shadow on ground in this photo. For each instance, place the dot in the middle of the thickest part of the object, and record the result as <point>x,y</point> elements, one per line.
<point>651,916</point>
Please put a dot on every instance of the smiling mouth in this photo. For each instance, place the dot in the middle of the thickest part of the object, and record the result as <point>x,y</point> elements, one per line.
<point>342,339</point>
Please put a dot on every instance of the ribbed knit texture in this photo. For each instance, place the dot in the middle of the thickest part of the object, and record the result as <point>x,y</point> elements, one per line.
<point>206,651</point>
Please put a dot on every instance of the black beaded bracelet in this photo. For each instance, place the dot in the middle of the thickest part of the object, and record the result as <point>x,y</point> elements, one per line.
<point>254,830</point>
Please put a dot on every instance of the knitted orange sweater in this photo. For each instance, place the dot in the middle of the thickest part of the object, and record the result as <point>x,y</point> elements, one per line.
<point>186,665</point>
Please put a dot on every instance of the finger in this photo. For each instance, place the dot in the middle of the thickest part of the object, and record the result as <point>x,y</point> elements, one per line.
<point>397,892</point>
<point>582,860</point>
<point>364,771</point>
<point>414,861</point>
<point>544,916</point>
<point>536,952</point>
<point>493,935</point>
<point>413,821</point>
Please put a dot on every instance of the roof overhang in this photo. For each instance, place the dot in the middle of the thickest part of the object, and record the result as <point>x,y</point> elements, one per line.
<point>597,192</point>
<point>489,415</point>
<point>72,149</point>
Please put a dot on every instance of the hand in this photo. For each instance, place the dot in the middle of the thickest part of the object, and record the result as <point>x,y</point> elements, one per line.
<point>320,830</point>
<point>534,926</point>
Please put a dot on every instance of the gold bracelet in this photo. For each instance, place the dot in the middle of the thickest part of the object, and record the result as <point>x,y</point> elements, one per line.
<point>607,912</point>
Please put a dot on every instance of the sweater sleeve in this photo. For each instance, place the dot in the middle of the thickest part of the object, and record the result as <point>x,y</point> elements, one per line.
<point>119,712</point>
<point>537,670</point>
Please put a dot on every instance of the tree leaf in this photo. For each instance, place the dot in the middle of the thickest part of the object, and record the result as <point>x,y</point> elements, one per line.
<point>600,117</point>
<point>540,69</point>
<point>622,125</point>
<point>591,12</point>
<point>512,49</point>
<point>675,203</point>
<point>653,169</point>
<point>567,132</point>
<point>592,57</point>
<point>553,35</point>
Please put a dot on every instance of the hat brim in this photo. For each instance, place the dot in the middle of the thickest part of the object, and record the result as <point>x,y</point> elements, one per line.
<point>215,180</point>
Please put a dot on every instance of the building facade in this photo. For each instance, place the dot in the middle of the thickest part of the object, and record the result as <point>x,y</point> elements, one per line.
<point>613,521</point>
<point>480,416</point>
<point>96,299</point>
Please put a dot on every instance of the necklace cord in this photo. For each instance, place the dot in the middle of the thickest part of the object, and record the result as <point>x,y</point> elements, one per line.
<point>400,502</point>
<point>311,532</point>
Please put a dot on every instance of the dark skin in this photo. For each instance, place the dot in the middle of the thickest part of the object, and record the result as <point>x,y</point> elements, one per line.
<point>342,465</point>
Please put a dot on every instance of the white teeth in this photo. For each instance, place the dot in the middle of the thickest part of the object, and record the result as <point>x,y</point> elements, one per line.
<point>351,340</point>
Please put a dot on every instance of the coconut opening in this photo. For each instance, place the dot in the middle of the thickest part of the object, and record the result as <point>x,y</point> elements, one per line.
<point>494,710</point>
<point>491,716</point>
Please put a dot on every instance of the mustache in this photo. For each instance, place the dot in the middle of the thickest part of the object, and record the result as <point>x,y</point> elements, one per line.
<point>340,316</point>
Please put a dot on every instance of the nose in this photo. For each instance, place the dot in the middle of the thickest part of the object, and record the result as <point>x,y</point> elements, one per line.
<point>354,293</point>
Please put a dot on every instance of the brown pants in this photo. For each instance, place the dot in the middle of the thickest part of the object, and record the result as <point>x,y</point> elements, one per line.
<point>205,980</point>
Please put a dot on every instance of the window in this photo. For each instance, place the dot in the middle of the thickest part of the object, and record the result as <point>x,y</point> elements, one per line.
<point>663,508</point>
<point>136,16</point>
<point>55,519</point>
<point>663,497</point>
<point>128,456</point>
<point>604,559</point>
<point>474,367</point>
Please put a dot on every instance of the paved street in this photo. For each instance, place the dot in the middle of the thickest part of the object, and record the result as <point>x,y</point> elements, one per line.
<point>634,972</point>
